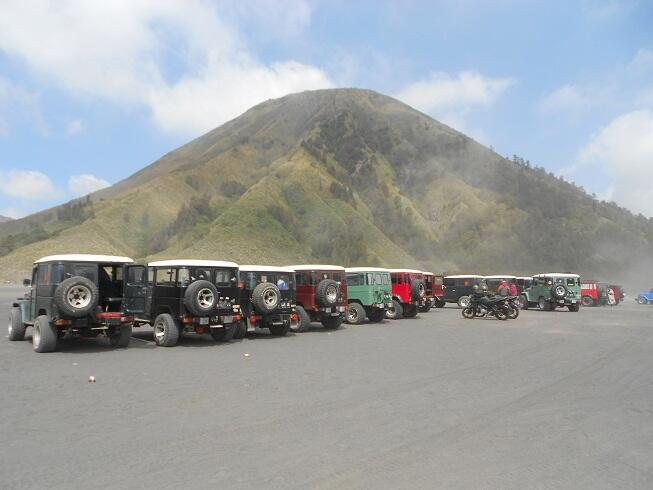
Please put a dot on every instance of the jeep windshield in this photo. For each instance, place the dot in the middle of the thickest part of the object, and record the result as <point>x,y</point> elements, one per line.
<point>219,277</point>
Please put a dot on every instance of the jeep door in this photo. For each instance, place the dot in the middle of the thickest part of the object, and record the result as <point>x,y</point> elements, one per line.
<point>135,290</point>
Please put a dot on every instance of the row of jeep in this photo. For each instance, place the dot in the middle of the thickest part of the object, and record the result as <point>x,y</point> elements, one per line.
<point>92,295</point>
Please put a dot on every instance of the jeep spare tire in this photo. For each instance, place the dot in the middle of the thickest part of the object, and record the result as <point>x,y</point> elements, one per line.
<point>76,297</point>
<point>201,298</point>
<point>417,289</point>
<point>559,291</point>
<point>265,297</point>
<point>326,292</point>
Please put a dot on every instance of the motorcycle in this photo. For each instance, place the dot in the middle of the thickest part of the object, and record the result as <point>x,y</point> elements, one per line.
<point>480,307</point>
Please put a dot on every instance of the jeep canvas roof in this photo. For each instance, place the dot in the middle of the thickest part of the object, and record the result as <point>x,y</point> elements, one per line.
<point>556,274</point>
<point>191,263</point>
<point>105,259</point>
<point>462,276</point>
<point>265,268</point>
<point>316,267</point>
<point>366,269</point>
<point>410,271</point>
<point>500,277</point>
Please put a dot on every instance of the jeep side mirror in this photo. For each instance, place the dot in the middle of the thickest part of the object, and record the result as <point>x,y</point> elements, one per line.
<point>27,282</point>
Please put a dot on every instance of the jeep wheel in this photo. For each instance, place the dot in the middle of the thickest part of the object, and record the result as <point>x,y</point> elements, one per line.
<point>425,309</point>
<point>265,297</point>
<point>279,330</point>
<point>44,336</point>
<point>574,308</point>
<point>439,303</point>
<point>410,311</point>
<point>201,298</point>
<point>417,290</point>
<point>463,302</point>
<point>122,338</point>
<point>355,314</point>
<point>523,302</point>
<point>332,322</point>
<point>559,291</point>
<point>641,301</point>
<point>588,301</point>
<point>76,296</point>
<point>395,312</point>
<point>304,320</point>
<point>326,293</point>
<point>543,304</point>
<point>226,333</point>
<point>241,331</point>
<point>376,316</point>
<point>166,330</point>
<point>16,326</point>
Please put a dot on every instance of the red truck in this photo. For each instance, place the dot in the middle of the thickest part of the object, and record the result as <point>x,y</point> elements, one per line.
<point>321,295</point>
<point>408,293</point>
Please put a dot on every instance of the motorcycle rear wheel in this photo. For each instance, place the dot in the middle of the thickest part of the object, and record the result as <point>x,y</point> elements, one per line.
<point>468,313</point>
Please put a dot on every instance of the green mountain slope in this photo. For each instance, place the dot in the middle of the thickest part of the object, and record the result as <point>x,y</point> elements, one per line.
<point>347,176</point>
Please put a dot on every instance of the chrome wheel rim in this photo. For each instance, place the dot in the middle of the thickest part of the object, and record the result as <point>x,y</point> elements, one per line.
<point>331,294</point>
<point>9,327</point>
<point>560,291</point>
<point>464,302</point>
<point>352,314</point>
<point>159,331</point>
<point>36,335</point>
<point>79,296</point>
<point>270,298</point>
<point>205,298</point>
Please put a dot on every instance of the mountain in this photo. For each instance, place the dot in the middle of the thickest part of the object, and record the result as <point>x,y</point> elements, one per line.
<point>4,219</point>
<point>347,176</point>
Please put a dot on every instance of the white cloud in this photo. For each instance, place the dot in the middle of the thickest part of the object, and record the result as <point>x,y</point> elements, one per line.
<point>80,185</point>
<point>442,91</point>
<point>623,151</point>
<point>122,51</point>
<point>27,184</point>
<point>566,98</point>
<point>74,127</point>
<point>643,60</point>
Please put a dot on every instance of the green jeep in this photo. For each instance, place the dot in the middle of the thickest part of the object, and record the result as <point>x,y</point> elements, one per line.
<point>369,293</point>
<point>552,290</point>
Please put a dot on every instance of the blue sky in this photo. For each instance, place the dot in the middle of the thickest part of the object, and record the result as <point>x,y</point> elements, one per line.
<point>90,92</point>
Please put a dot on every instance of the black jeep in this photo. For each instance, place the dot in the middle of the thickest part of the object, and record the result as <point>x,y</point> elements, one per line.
<point>73,295</point>
<point>176,296</point>
<point>267,299</point>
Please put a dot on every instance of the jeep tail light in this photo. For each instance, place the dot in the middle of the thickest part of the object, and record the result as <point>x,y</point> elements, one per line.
<point>253,318</point>
<point>199,329</point>
<point>186,319</point>
<point>237,317</point>
<point>241,285</point>
<point>294,317</point>
<point>62,323</point>
<point>126,319</point>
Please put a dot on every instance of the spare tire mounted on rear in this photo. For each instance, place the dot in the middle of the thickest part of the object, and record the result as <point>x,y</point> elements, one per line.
<point>265,297</point>
<point>327,292</point>
<point>76,296</point>
<point>201,298</point>
<point>417,289</point>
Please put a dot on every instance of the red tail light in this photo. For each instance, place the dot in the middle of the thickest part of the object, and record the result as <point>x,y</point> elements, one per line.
<point>199,329</point>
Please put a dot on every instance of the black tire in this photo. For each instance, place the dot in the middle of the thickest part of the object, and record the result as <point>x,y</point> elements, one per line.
<point>410,311</point>
<point>166,330</point>
<point>439,303</point>
<point>425,308</point>
<point>332,322</point>
<point>417,290</point>
<point>463,302</point>
<point>327,292</point>
<point>523,302</point>
<point>279,330</point>
<point>241,331</point>
<point>44,336</point>
<point>501,313</point>
<point>514,312</point>
<point>588,301</point>
<point>395,312</point>
<point>122,338</point>
<point>226,333</point>
<point>304,320</point>
<point>543,304</point>
<point>201,298</point>
<point>469,312</point>
<point>16,328</point>
<point>559,291</point>
<point>265,297</point>
<point>376,316</point>
<point>355,314</point>
<point>76,297</point>
<point>574,308</point>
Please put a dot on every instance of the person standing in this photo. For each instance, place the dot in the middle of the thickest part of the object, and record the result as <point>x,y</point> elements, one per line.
<point>503,289</point>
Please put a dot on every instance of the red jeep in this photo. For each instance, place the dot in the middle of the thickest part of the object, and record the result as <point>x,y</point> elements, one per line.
<point>321,295</point>
<point>589,291</point>
<point>408,293</point>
